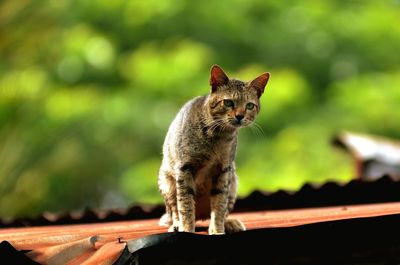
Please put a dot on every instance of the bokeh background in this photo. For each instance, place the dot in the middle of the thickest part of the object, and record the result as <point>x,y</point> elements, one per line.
<point>88,89</point>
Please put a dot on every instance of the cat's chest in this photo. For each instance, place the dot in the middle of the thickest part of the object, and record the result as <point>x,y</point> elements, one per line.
<point>205,175</point>
<point>221,150</point>
<point>219,153</point>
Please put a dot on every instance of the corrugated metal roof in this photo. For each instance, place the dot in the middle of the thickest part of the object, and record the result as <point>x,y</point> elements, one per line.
<point>66,239</point>
<point>103,243</point>
<point>385,189</point>
<point>371,240</point>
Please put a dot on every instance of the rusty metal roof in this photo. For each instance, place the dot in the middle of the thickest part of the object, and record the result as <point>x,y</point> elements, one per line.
<point>117,237</point>
<point>385,189</point>
<point>124,241</point>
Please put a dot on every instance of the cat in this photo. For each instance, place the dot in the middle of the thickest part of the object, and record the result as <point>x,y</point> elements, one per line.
<point>197,177</point>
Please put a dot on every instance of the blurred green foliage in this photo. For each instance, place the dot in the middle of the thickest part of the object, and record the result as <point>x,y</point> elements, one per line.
<point>88,89</point>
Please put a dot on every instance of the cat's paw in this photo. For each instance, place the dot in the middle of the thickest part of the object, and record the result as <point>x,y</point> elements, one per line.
<point>176,228</point>
<point>212,230</point>
<point>234,225</point>
<point>173,228</point>
<point>165,220</point>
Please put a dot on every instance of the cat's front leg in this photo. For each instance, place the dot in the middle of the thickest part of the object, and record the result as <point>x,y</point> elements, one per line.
<point>219,202</point>
<point>185,192</point>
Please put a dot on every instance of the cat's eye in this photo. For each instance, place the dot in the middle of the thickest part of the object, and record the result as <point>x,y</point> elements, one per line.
<point>250,106</point>
<point>228,103</point>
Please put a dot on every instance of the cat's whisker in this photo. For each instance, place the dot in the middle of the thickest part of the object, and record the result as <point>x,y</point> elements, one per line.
<point>220,126</point>
<point>209,121</point>
<point>214,125</point>
<point>224,126</point>
<point>260,129</point>
<point>257,130</point>
<point>253,131</point>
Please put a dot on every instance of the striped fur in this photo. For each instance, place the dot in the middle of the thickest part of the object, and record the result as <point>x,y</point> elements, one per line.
<point>197,177</point>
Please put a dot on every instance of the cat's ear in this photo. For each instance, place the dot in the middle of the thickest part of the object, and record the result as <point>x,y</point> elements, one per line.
<point>218,77</point>
<point>259,83</point>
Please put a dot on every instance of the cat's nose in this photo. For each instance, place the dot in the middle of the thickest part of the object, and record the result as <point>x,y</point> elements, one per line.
<point>239,118</point>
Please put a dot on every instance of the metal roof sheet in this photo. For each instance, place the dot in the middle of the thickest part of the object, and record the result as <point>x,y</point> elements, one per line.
<point>104,243</point>
<point>385,189</point>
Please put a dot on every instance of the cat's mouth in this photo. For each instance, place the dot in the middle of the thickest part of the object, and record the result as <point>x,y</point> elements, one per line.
<point>238,123</point>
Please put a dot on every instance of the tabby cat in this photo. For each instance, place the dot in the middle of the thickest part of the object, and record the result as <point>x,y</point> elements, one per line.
<point>197,177</point>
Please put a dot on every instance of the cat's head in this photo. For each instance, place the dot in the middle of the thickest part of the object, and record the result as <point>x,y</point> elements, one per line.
<point>234,103</point>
